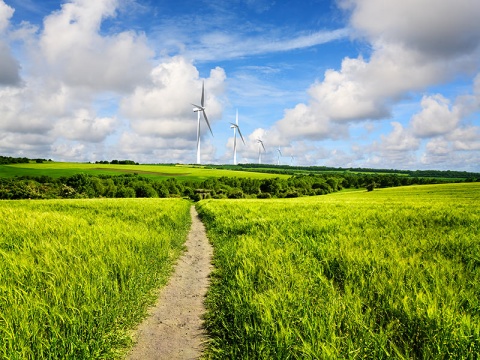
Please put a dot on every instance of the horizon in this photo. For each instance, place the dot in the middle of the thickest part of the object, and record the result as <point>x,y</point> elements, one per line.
<point>335,83</point>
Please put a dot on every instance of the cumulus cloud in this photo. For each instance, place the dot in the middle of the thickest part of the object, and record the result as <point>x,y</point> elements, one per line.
<point>6,13</point>
<point>400,139</point>
<point>446,28</point>
<point>414,45</point>
<point>163,108</point>
<point>9,66</point>
<point>78,70</point>
<point>76,52</point>
<point>436,117</point>
<point>467,138</point>
<point>152,149</point>
<point>83,126</point>
<point>460,149</point>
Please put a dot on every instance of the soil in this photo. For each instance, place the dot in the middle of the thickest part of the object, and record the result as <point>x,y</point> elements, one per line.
<point>174,327</point>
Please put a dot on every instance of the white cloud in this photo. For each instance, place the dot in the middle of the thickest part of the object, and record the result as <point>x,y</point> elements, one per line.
<point>467,138</point>
<point>83,126</point>
<point>76,52</point>
<point>436,117</point>
<point>414,45</point>
<point>164,109</point>
<point>446,28</point>
<point>6,13</point>
<point>70,152</point>
<point>400,139</point>
<point>9,66</point>
<point>224,46</point>
<point>151,149</point>
<point>438,147</point>
<point>447,153</point>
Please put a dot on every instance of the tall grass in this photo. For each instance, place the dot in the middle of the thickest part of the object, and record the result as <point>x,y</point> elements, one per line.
<point>388,274</point>
<point>76,276</point>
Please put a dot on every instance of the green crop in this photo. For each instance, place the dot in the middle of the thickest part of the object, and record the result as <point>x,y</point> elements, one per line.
<point>158,172</point>
<point>77,275</point>
<point>393,273</point>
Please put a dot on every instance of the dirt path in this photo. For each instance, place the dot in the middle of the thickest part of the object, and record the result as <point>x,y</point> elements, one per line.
<point>173,329</point>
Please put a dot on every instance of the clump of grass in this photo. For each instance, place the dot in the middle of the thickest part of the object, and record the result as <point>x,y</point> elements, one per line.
<point>388,274</point>
<point>76,276</point>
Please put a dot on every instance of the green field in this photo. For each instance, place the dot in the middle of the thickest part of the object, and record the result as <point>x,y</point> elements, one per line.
<point>160,172</point>
<point>393,273</point>
<point>77,275</point>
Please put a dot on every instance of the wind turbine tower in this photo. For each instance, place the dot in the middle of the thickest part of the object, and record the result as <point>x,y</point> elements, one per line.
<point>201,109</point>
<point>235,128</point>
<point>260,146</point>
<point>279,155</point>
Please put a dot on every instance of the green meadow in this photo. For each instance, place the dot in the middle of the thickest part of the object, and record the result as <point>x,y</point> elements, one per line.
<point>77,275</point>
<point>158,172</point>
<point>393,273</point>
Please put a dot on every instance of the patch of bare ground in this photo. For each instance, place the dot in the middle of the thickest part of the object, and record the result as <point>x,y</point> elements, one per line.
<point>174,327</point>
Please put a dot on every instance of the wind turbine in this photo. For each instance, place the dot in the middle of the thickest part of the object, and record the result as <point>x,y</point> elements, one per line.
<point>201,109</point>
<point>235,128</point>
<point>291,160</point>
<point>260,146</point>
<point>279,155</point>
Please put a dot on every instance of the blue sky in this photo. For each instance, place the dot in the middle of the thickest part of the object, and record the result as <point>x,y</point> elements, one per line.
<point>345,83</point>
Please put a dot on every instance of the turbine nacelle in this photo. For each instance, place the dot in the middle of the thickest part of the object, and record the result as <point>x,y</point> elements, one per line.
<point>198,108</point>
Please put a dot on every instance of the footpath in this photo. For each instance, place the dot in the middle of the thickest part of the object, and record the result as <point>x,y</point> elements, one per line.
<point>174,328</point>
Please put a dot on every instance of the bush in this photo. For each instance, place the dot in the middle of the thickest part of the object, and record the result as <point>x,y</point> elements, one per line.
<point>125,192</point>
<point>370,186</point>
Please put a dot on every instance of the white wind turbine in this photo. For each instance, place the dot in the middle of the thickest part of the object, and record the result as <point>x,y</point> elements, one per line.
<point>260,146</point>
<point>201,109</point>
<point>292,159</point>
<point>278,156</point>
<point>235,128</point>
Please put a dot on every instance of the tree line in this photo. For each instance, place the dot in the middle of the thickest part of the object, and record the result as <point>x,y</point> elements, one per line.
<point>291,170</point>
<point>5,160</point>
<point>133,185</point>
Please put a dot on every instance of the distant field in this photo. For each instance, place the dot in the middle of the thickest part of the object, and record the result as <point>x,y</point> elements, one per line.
<point>393,273</point>
<point>181,172</point>
<point>77,275</point>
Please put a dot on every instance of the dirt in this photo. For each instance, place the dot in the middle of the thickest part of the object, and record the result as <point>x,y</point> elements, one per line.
<point>174,327</point>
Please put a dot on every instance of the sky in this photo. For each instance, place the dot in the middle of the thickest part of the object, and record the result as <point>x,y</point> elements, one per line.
<point>345,83</point>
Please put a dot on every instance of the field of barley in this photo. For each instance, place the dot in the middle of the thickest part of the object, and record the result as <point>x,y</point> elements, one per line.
<point>393,273</point>
<point>77,275</point>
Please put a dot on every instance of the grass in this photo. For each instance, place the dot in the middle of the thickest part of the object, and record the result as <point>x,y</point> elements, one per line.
<point>77,275</point>
<point>393,273</point>
<point>160,172</point>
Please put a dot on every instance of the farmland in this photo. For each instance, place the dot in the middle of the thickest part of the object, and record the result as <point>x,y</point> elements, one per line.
<point>392,273</point>
<point>49,180</point>
<point>157,172</point>
<point>77,275</point>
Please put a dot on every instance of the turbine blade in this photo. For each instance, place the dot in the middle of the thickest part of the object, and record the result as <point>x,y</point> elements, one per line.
<point>206,119</point>
<point>240,133</point>
<point>236,118</point>
<point>203,94</point>
<point>197,106</point>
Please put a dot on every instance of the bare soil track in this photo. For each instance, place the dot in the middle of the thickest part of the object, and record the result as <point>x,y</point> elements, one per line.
<point>174,327</point>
